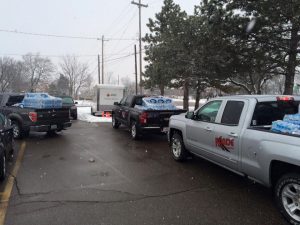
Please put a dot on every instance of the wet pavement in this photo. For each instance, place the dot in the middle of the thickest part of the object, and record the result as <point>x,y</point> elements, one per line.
<point>93,174</point>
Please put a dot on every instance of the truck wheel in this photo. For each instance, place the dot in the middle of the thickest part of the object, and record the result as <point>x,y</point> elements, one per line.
<point>287,196</point>
<point>115,123</point>
<point>135,133</point>
<point>17,130</point>
<point>2,166</point>
<point>178,150</point>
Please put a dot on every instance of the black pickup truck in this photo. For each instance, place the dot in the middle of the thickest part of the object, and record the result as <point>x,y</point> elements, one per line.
<point>140,121</point>
<point>25,120</point>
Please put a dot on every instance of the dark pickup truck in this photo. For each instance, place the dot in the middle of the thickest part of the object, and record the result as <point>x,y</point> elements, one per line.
<point>25,120</point>
<point>140,121</point>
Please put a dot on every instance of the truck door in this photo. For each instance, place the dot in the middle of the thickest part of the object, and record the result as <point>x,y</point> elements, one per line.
<point>227,133</point>
<point>200,129</point>
<point>125,109</point>
<point>119,110</point>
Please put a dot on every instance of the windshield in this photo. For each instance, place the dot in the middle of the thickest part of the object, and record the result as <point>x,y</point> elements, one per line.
<point>67,100</point>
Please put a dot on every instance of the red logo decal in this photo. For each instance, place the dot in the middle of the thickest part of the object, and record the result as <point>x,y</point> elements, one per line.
<point>224,143</point>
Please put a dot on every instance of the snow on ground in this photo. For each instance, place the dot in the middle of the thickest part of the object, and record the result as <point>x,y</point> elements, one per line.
<point>84,114</point>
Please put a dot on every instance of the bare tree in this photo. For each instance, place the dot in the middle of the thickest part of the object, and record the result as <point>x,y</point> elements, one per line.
<point>77,73</point>
<point>129,85</point>
<point>37,69</point>
<point>8,73</point>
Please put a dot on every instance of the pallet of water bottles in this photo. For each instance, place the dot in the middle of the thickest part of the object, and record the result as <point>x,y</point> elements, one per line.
<point>289,125</point>
<point>156,103</point>
<point>40,101</point>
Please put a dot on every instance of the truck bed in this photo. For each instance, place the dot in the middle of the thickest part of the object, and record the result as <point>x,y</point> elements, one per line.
<point>268,129</point>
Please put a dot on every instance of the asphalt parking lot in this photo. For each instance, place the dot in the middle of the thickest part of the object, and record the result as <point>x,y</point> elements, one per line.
<point>92,174</point>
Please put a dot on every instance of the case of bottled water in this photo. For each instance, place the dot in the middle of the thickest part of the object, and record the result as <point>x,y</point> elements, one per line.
<point>41,101</point>
<point>156,103</point>
<point>285,127</point>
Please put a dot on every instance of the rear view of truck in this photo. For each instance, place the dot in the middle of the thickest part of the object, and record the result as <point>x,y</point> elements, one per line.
<point>25,119</point>
<point>144,114</point>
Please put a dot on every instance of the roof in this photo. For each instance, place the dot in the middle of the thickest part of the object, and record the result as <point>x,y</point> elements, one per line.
<point>260,98</point>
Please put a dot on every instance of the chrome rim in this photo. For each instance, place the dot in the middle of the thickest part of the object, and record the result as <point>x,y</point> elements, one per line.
<point>133,131</point>
<point>290,197</point>
<point>16,130</point>
<point>176,147</point>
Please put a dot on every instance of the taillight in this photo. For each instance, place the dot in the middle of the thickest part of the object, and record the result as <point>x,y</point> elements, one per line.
<point>32,116</point>
<point>143,118</point>
<point>285,98</point>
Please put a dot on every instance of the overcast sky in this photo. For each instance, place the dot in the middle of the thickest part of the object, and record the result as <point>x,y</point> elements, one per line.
<point>117,19</point>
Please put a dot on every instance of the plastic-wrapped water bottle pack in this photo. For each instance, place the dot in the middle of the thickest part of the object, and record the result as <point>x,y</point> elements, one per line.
<point>294,119</point>
<point>289,125</point>
<point>156,103</point>
<point>41,101</point>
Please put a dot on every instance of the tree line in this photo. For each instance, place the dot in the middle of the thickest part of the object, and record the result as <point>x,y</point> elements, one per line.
<point>34,73</point>
<point>236,46</point>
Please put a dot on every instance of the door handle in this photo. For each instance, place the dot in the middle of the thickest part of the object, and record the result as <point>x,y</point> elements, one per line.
<point>232,134</point>
<point>208,129</point>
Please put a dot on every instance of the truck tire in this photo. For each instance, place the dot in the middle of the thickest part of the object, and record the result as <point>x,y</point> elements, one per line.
<point>134,131</point>
<point>2,165</point>
<point>287,197</point>
<point>178,151</point>
<point>114,122</point>
<point>17,130</point>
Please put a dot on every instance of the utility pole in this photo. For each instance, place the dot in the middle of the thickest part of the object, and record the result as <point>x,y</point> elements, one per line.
<point>140,5</point>
<point>136,75</point>
<point>102,59</point>
<point>98,90</point>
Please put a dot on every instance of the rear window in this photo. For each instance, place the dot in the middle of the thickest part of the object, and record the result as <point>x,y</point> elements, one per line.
<point>67,100</point>
<point>267,112</point>
<point>15,99</point>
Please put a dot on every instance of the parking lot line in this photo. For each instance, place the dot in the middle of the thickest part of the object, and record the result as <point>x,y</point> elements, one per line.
<point>10,183</point>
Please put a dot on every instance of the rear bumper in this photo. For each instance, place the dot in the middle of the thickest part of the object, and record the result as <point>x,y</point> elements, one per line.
<point>154,129</point>
<point>45,128</point>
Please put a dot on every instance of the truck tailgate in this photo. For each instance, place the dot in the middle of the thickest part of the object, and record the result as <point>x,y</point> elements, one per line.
<point>160,118</point>
<point>52,116</point>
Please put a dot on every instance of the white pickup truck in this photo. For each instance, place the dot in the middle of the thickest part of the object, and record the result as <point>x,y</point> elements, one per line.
<point>235,133</point>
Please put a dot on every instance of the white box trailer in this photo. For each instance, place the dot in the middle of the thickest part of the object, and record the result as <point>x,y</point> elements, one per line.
<point>108,94</point>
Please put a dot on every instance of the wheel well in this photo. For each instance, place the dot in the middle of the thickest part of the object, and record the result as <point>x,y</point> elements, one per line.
<point>278,169</point>
<point>173,131</point>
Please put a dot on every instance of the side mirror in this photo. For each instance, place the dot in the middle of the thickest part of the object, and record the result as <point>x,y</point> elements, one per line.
<point>116,103</point>
<point>190,115</point>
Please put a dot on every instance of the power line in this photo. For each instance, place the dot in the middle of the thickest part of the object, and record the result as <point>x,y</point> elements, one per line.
<point>59,56</point>
<point>126,28</point>
<point>64,36</point>
<point>123,12</point>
